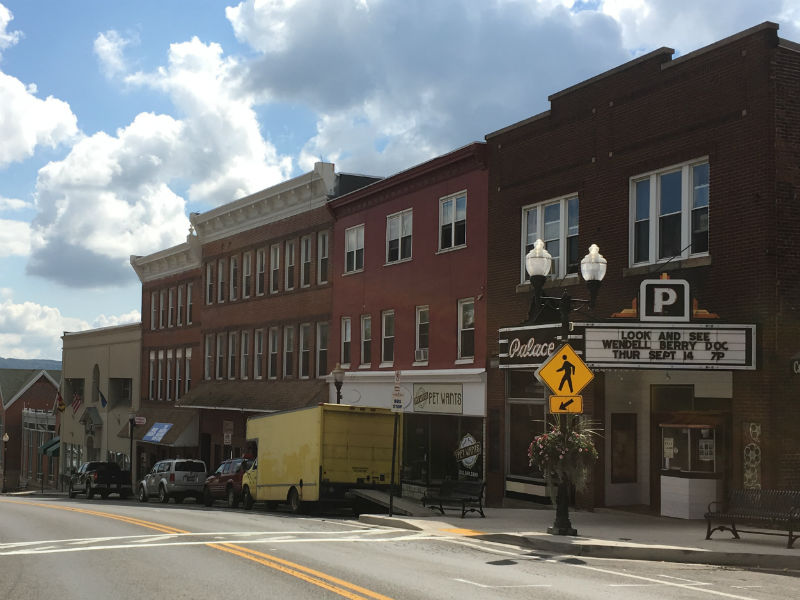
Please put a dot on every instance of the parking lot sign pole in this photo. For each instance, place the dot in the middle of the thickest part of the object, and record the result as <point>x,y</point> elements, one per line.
<point>397,407</point>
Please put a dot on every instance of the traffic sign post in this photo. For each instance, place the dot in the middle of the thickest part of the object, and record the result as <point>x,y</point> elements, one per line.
<point>565,373</point>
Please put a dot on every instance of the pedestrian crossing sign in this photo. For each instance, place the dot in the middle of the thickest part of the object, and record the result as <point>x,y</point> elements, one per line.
<point>564,372</point>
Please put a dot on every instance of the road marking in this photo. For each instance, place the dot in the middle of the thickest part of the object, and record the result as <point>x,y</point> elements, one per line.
<point>524,585</point>
<point>690,581</point>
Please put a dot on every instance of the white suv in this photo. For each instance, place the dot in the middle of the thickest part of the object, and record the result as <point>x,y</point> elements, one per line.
<point>174,478</point>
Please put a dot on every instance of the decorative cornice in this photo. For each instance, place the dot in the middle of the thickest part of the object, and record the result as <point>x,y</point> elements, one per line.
<point>165,263</point>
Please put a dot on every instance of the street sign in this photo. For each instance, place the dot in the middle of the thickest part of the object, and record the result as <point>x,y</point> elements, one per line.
<point>566,404</point>
<point>564,372</point>
<point>140,420</point>
<point>397,394</point>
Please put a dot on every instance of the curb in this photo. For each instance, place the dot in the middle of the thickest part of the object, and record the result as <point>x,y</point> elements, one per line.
<point>591,548</point>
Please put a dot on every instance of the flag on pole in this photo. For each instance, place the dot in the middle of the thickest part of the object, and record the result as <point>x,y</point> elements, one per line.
<point>103,401</point>
<point>76,402</point>
<point>60,404</point>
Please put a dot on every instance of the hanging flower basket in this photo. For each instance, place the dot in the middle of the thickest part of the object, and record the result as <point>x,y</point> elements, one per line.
<point>565,456</point>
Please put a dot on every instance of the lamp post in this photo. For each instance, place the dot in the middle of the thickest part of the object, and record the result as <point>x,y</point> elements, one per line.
<point>593,269</point>
<point>5,458</point>
<point>338,379</point>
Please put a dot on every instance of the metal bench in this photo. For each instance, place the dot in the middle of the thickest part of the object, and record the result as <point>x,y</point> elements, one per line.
<point>770,509</point>
<point>464,494</point>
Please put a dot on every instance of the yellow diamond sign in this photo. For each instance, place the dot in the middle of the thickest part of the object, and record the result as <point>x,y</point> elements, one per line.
<point>564,372</point>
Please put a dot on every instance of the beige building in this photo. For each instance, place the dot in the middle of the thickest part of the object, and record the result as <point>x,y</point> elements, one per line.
<point>100,387</point>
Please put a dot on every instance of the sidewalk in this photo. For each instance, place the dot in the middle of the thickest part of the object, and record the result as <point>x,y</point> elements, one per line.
<point>602,533</point>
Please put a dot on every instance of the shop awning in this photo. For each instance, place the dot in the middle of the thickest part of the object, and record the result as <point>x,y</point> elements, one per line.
<point>51,447</point>
<point>257,396</point>
<point>166,426</point>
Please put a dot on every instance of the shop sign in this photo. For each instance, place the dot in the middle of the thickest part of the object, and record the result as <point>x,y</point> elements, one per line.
<point>529,346</point>
<point>157,432</point>
<point>796,366</point>
<point>665,346</point>
<point>447,398</point>
<point>468,451</point>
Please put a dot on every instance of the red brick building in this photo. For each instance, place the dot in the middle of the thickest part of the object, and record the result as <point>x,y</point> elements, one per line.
<point>687,166</point>
<point>409,309</point>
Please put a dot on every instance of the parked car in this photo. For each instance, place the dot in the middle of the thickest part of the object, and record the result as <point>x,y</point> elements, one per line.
<point>175,478</point>
<point>102,478</point>
<point>226,482</point>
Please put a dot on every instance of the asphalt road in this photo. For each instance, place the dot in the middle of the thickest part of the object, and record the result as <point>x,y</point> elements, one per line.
<point>63,549</point>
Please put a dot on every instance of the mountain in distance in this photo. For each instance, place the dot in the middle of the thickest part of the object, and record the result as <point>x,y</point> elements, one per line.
<point>30,363</point>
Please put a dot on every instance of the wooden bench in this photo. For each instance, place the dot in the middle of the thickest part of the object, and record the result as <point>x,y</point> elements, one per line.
<point>464,494</point>
<point>771,509</point>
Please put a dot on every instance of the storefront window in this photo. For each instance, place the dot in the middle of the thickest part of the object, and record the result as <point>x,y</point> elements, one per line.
<point>438,447</point>
<point>526,420</point>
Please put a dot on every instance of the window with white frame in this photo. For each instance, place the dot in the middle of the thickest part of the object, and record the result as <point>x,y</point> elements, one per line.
<point>288,351</point>
<point>180,305</point>
<point>221,280</point>
<point>387,337</point>
<point>669,213</point>
<point>466,328</point>
<point>247,273</point>
<point>168,392</point>
<point>234,278</point>
<point>346,332</point>
<point>354,249</point>
<point>275,269</point>
<point>305,350</point>
<point>178,371</point>
<point>189,304</point>
<point>232,355</point>
<point>274,342</point>
<point>423,325</point>
<point>152,395</point>
<point>322,349</point>
<point>209,364</point>
<point>366,339</point>
<point>188,369</point>
<point>555,222</point>
<point>160,390</point>
<point>153,311</point>
<point>162,309</point>
<point>171,308</point>
<point>398,236</point>
<point>244,367</point>
<point>322,257</point>
<point>258,343</point>
<point>220,355</point>
<point>305,261</point>
<point>453,221</point>
<point>261,267</point>
<point>209,283</point>
<point>289,271</point>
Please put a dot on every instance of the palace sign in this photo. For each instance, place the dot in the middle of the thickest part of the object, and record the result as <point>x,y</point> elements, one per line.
<point>670,346</point>
<point>527,346</point>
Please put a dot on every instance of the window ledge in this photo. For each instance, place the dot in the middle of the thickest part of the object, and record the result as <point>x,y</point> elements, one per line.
<point>567,281</point>
<point>655,269</point>
<point>451,249</point>
<point>464,361</point>
<point>398,261</point>
<point>353,272</point>
<point>422,363</point>
<point>386,365</point>
<point>365,366</point>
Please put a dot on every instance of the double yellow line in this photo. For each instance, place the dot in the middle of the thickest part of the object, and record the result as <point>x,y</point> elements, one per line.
<point>341,587</point>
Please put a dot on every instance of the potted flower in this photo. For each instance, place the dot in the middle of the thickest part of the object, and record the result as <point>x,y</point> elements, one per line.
<point>564,454</point>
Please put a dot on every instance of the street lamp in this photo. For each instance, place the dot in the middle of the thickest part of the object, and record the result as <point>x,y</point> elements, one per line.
<point>593,270</point>
<point>5,458</point>
<point>338,379</point>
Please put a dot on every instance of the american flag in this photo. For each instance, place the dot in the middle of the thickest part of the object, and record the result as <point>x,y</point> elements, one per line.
<point>76,402</point>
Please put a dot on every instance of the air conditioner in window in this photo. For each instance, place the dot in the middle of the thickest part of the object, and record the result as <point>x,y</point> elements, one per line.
<point>421,355</point>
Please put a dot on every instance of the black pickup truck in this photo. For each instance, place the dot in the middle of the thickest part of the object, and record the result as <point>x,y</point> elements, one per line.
<point>102,478</point>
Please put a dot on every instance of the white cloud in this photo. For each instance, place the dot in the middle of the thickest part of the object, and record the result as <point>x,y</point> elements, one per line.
<point>109,47</point>
<point>13,204</point>
<point>7,38</point>
<point>15,238</point>
<point>30,330</point>
<point>133,316</point>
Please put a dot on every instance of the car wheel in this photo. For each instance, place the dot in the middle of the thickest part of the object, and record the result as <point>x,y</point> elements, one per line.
<point>142,494</point>
<point>247,499</point>
<point>295,504</point>
<point>72,493</point>
<point>233,501</point>
<point>89,491</point>
<point>163,496</point>
<point>208,500</point>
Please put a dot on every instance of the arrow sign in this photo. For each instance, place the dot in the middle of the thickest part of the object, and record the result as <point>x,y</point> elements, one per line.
<point>566,404</point>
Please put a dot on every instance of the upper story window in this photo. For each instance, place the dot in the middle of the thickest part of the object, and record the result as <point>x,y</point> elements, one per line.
<point>290,258</point>
<point>180,305</point>
<point>247,273</point>
<point>322,349</point>
<point>272,365</point>
<point>398,236</point>
<point>221,281</point>
<point>466,328</point>
<point>274,269</point>
<point>366,339</point>
<point>220,355</point>
<point>162,307</point>
<point>232,355</point>
<point>209,364</point>
<point>234,292</point>
<point>387,337</point>
<point>669,213</point>
<point>171,308</point>
<point>322,257</point>
<point>556,223</point>
<point>346,339</point>
<point>453,221</point>
<point>305,261</point>
<point>354,249</point>
<point>209,283</point>
<point>304,367</point>
<point>258,342</point>
<point>288,351</point>
<point>153,310</point>
<point>261,267</point>
<point>423,326</point>
<point>189,304</point>
<point>244,367</point>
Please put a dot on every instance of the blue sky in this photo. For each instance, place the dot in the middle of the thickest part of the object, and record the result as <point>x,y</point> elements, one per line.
<point>117,119</point>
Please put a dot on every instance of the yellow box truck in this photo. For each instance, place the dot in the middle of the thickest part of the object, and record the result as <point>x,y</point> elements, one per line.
<point>319,454</point>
